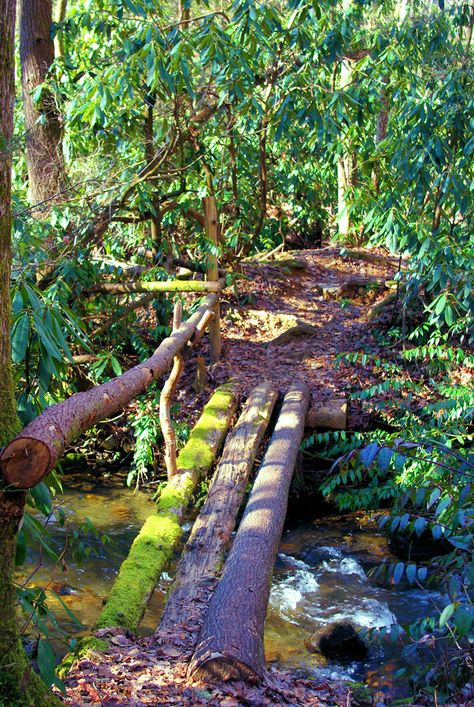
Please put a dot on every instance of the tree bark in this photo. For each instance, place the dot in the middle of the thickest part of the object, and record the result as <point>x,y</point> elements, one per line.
<point>30,456</point>
<point>211,225</point>
<point>203,554</point>
<point>8,419</point>
<point>59,17</point>
<point>154,545</point>
<point>43,137</point>
<point>231,641</point>
<point>17,678</point>
<point>122,288</point>
<point>166,397</point>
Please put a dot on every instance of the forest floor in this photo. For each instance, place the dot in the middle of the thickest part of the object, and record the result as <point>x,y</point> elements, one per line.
<point>269,296</point>
<point>142,672</point>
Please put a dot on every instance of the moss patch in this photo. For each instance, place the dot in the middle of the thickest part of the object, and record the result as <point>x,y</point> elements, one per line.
<point>86,645</point>
<point>159,536</point>
<point>207,436</point>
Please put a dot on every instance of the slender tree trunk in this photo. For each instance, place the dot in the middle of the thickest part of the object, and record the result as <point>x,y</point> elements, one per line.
<point>59,17</point>
<point>8,419</point>
<point>345,166</point>
<point>18,683</point>
<point>155,221</point>
<point>380,135</point>
<point>184,12</point>
<point>42,121</point>
<point>230,645</point>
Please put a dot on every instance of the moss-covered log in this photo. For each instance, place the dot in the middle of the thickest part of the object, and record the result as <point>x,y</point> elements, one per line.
<point>122,288</point>
<point>203,554</point>
<point>34,452</point>
<point>161,532</point>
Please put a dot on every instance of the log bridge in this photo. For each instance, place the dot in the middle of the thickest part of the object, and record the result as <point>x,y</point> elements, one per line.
<point>219,596</point>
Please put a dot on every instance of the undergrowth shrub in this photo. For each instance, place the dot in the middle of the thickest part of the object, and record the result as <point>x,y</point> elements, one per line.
<point>417,472</point>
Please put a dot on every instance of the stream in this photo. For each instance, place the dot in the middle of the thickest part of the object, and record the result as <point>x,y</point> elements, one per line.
<point>321,576</point>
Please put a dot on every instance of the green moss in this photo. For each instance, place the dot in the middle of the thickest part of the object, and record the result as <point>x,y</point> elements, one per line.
<point>150,551</point>
<point>199,452</point>
<point>361,695</point>
<point>154,545</point>
<point>86,645</point>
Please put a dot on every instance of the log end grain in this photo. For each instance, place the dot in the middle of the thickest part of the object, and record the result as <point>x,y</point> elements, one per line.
<point>25,462</point>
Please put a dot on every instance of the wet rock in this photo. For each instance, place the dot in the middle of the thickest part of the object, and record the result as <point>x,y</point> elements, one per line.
<point>418,548</point>
<point>338,642</point>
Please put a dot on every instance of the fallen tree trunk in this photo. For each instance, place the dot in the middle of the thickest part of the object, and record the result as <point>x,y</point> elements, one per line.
<point>34,452</point>
<point>203,554</point>
<point>122,288</point>
<point>161,532</point>
<point>230,645</point>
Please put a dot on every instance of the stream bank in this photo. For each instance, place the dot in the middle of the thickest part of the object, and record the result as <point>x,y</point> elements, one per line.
<point>321,577</point>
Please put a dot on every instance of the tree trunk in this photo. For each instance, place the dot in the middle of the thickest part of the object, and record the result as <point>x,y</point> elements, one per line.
<point>8,420</point>
<point>32,455</point>
<point>154,545</point>
<point>211,225</point>
<point>345,161</point>
<point>203,554</point>
<point>43,137</point>
<point>19,684</point>
<point>231,641</point>
<point>59,17</point>
<point>380,134</point>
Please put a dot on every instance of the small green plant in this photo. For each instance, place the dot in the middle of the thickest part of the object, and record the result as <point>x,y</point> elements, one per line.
<point>147,431</point>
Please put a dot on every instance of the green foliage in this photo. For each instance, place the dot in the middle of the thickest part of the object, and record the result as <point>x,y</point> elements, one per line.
<point>147,432</point>
<point>419,471</point>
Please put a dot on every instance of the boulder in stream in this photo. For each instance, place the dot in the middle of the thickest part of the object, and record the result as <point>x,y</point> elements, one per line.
<point>339,642</point>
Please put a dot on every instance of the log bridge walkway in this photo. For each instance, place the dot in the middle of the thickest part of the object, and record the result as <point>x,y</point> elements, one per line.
<point>214,616</point>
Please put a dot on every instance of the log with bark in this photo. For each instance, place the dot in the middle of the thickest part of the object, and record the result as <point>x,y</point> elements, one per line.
<point>34,452</point>
<point>230,644</point>
<point>122,288</point>
<point>203,554</point>
<point>154,545</point>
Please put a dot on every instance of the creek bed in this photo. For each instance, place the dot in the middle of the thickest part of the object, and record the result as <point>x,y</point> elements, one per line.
<point>321,577</point>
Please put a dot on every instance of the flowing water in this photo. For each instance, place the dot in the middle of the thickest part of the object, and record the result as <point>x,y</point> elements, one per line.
<point>321,577</point>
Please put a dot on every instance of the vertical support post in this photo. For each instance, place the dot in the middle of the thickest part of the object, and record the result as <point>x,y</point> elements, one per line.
<point>166,398</point>
<point>211,226</point>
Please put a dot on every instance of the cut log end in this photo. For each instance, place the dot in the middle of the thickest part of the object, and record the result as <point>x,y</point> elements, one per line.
<point>25,462</point>
<point>221,668</point>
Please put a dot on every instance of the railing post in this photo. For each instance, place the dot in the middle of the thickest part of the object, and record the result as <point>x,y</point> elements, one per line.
<point>211,226</point>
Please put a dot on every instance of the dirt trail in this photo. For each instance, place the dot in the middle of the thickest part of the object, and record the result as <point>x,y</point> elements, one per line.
<point>251,321</point>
